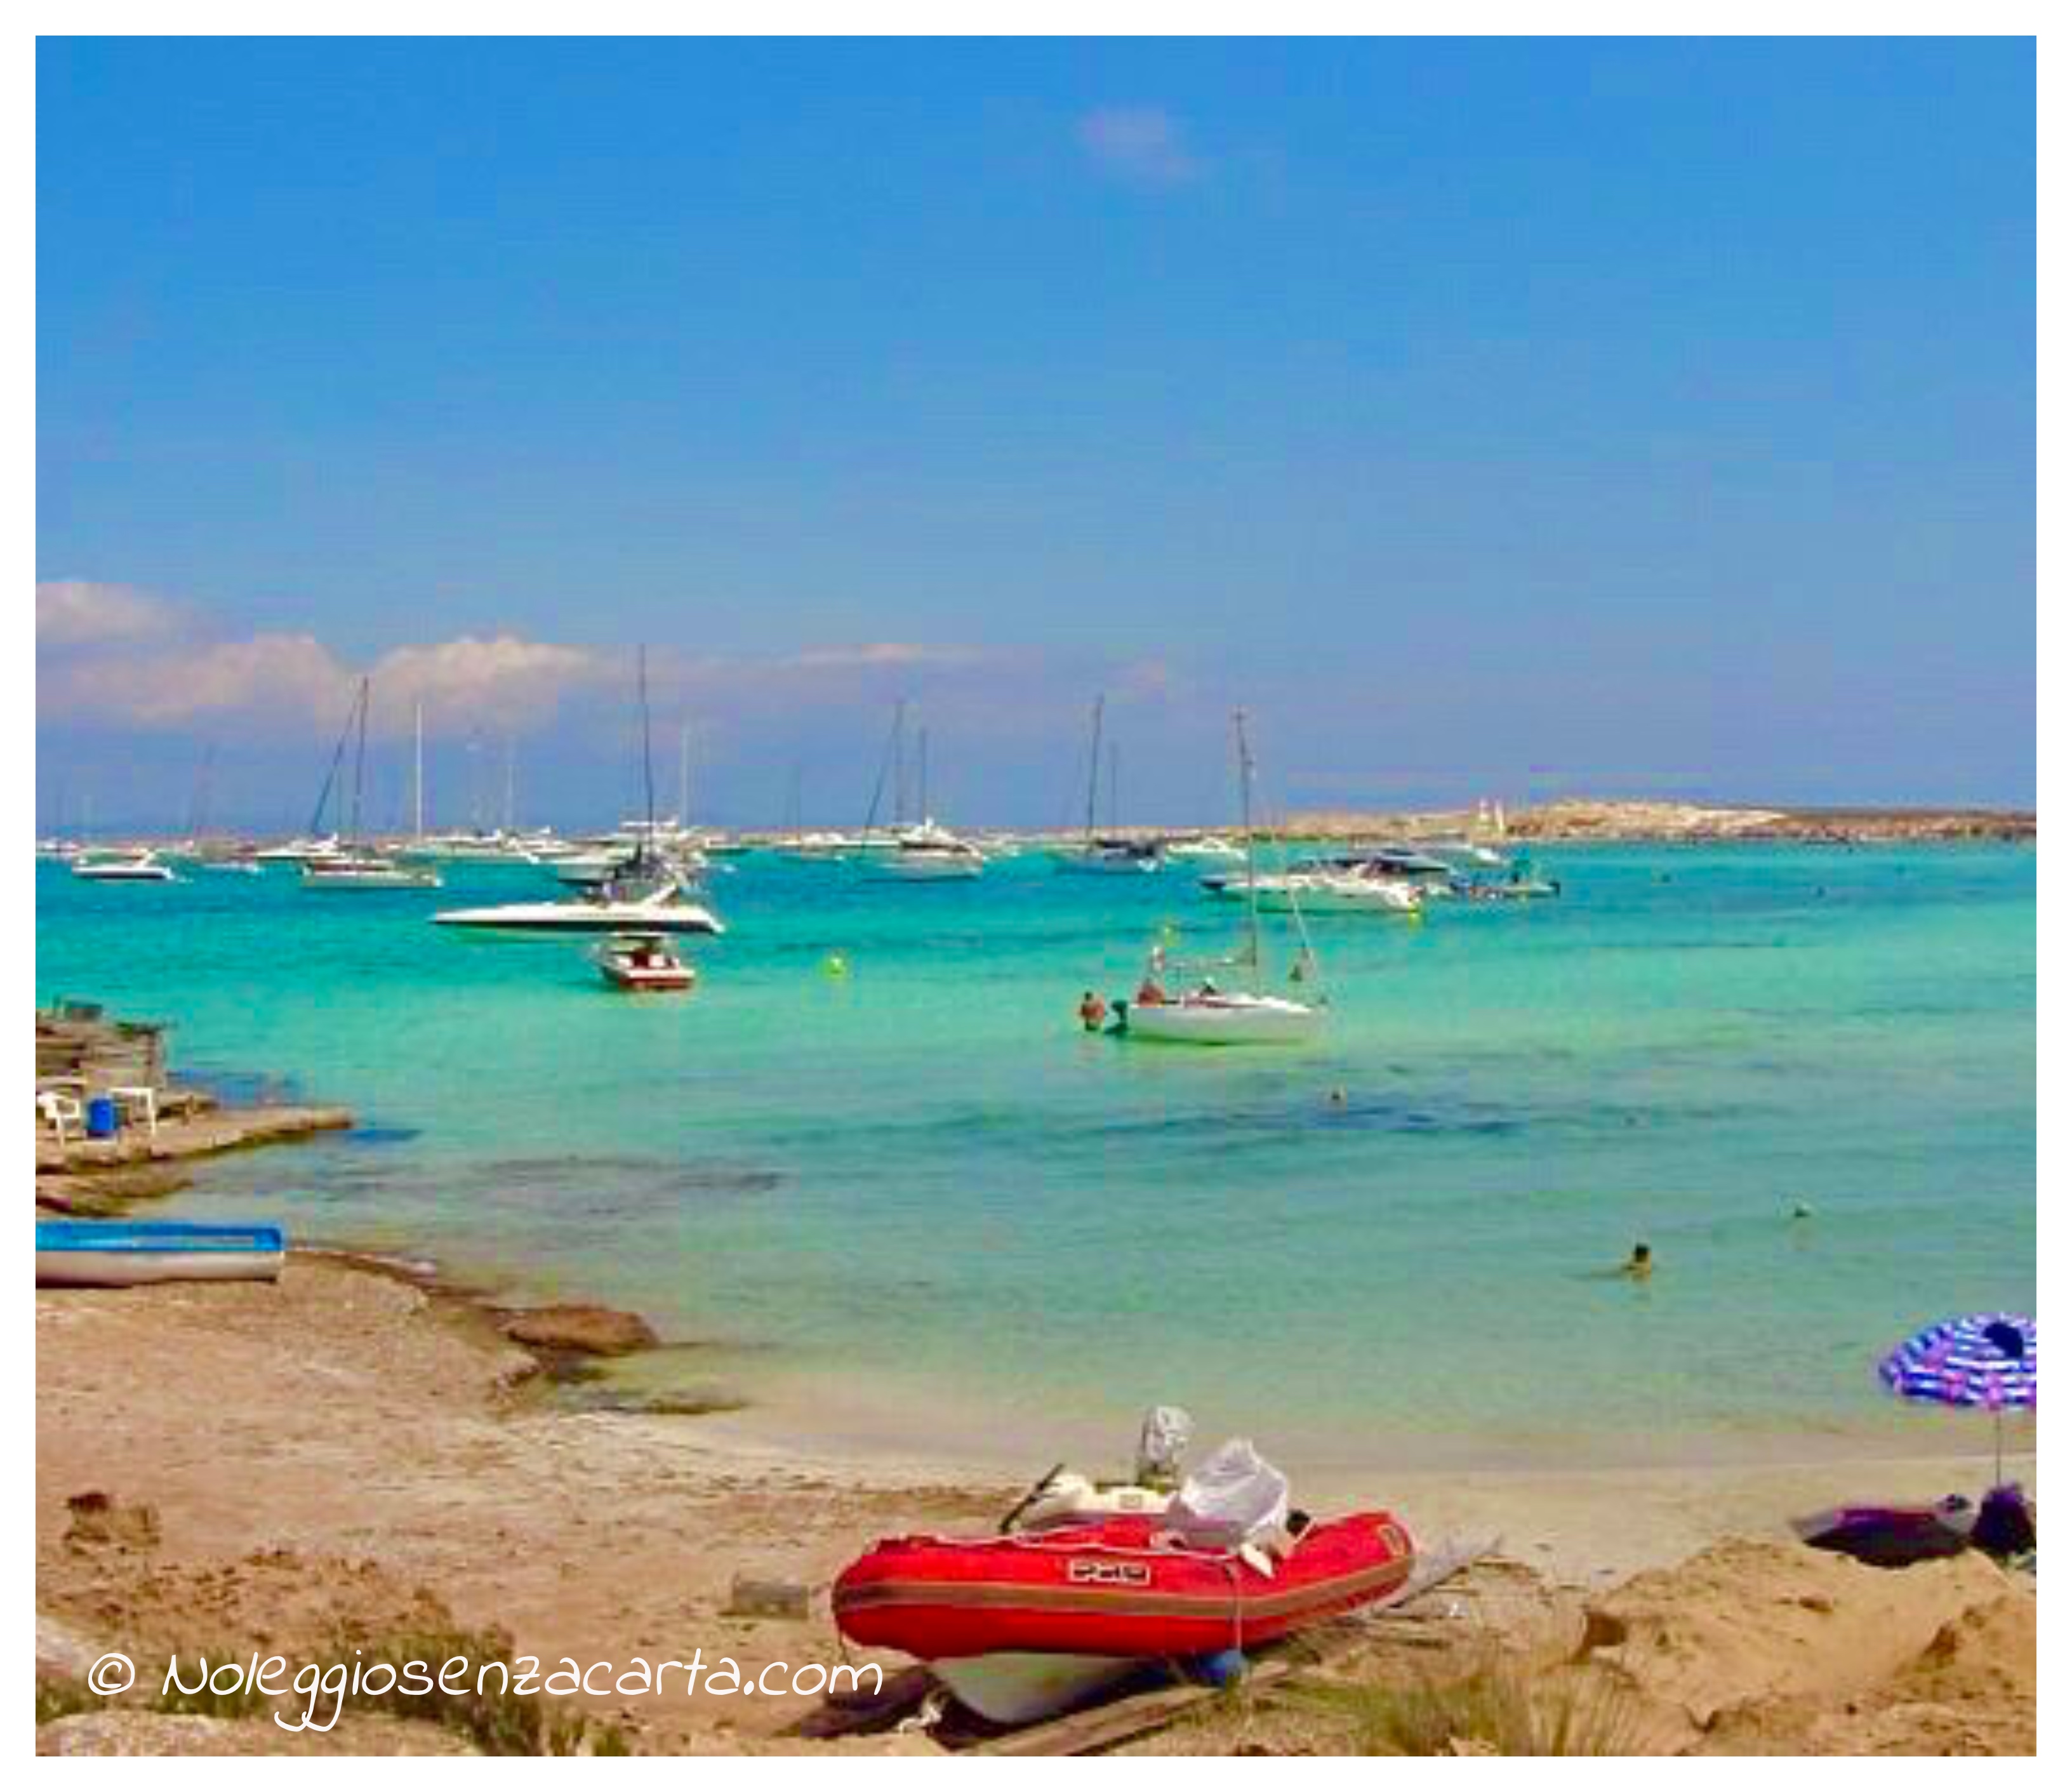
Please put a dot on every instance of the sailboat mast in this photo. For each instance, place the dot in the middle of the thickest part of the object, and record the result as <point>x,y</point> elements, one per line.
<point>359,761</point>
<point>331,775</point>
<point>1114,786</point>
<point>647,763</point>
<point>198,816</point>
<point>1093,766</point>
<point>684,776</point>
<point>921,807</point>
<point>417,773</point>
<point>510,782</point>
<point>1251,845</point>
<point>899,765</point>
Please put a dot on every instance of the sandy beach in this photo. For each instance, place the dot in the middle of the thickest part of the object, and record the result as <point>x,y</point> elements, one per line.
<point>348,1458</point>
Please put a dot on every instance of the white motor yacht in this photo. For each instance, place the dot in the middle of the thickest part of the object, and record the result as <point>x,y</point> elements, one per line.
<point>299,850</point>
<point>141,866</point>
<point>662,906</point>
<point>1321,892</point>
<point>928,854</point>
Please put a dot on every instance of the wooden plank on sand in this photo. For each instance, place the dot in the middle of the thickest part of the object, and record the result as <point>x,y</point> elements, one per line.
<point>1125,1719</point>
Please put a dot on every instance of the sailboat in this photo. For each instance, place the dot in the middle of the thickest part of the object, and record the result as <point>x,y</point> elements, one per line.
<point>648,894</point>
<point>351,864</point>
<point>1208,1014</point>
<point>1106,854</point>
<point>207,850</point>
<point>926,852</point>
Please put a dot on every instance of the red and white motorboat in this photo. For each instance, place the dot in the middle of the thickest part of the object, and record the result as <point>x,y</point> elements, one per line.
<point>643,963</point>
<point>1021,1625</point>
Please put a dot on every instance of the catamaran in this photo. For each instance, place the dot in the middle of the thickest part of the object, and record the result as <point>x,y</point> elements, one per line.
<point>1206,1013</point>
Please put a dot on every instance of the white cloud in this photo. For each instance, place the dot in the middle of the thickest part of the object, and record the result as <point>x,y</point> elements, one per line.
<point>114,657</point>
<point>505,682</point>
<point>1142,144</point>
<point>75,613</point>
<point>128,663</point>
<point>883,655</point>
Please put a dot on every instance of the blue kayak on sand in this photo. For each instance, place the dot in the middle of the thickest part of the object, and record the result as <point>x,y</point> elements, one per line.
<point>129,1253</point>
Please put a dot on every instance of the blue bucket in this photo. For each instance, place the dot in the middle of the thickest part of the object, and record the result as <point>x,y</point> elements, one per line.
<point>101,1118</point>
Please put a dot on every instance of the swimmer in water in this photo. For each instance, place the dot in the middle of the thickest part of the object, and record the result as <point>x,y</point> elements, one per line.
<point>1639,1266</point>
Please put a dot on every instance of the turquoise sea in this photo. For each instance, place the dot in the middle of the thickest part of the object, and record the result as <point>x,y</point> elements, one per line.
<point>916,1208</point>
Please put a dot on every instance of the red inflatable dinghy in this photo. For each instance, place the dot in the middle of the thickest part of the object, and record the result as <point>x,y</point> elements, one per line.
<point>1122,1587</point>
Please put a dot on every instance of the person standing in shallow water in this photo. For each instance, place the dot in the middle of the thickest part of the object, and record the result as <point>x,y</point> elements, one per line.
<point>1093,1011</point>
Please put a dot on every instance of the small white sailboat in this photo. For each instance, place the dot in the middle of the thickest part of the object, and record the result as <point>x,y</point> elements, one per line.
<point>1207,1014</point>
<point>1111,854</point>
<point>349,866</point>
<point>926,852</point>
<point>366,871</point>
<point>1205,848</point>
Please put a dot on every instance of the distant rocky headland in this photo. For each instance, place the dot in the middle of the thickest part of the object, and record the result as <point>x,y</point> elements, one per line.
<point>1583,818</point>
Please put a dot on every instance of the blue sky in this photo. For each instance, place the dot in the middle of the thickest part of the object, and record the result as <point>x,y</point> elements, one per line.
<point>1489,418</point>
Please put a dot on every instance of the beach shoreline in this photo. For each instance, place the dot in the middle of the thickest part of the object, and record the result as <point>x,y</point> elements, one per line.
<point>387,1453</point>
<point>890,1427</point>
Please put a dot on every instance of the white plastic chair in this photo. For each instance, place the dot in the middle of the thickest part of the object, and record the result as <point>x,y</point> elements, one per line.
<point>62,1111</point>
<point>141,1097</point>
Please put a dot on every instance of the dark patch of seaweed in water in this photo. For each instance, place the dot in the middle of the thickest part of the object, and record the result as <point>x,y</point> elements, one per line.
<point>659,1176</point>
<point>375,1137</point>
<point>236,1088</point>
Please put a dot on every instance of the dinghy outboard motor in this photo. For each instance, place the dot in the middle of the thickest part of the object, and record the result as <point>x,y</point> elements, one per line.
<point>1163,1440</point>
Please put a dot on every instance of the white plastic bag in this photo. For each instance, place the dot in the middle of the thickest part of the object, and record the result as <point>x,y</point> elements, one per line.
<point>1233,1496</point>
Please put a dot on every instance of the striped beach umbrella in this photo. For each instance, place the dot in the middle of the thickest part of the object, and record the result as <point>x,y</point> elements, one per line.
<point>1984,1359</point>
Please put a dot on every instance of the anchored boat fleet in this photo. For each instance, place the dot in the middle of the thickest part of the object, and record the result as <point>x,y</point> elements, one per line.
<point>636,890</point>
